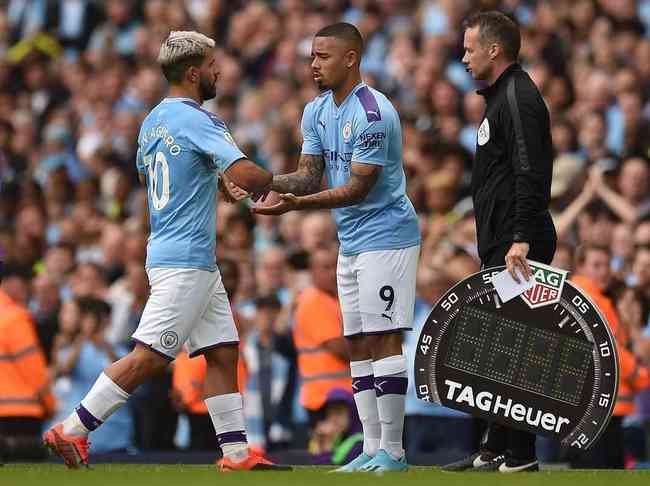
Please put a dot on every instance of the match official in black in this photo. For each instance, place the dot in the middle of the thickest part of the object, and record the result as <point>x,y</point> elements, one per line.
<point>511,186</point>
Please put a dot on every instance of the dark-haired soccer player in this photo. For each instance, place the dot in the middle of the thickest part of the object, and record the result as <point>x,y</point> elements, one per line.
<point>352,133</point>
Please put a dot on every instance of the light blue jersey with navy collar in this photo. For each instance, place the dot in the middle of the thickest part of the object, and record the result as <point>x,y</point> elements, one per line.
<point>365,128</point>
<point>181,148</point>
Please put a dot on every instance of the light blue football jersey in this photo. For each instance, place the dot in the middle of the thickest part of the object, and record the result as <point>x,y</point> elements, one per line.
<point>366,129</point>
<point>181,148</point>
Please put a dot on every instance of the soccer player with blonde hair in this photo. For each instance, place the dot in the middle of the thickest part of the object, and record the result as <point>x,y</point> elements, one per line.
<point>182,151</point>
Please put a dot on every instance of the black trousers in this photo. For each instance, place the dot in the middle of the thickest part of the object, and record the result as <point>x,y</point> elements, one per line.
<point>499,439</point>
<point>20,439</point>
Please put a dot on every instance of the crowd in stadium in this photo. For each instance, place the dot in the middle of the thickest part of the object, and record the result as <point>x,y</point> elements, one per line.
<point>77,79</point>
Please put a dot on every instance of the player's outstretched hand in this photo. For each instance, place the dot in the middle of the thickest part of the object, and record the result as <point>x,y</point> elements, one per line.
<point>230,191</point>
<point>262,195</point>
<point>516,258</point>
<point>288,202</point>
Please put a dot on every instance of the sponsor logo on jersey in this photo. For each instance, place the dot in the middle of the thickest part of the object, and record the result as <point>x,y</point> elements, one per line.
<point>337,161</point>
<point>372,140</point>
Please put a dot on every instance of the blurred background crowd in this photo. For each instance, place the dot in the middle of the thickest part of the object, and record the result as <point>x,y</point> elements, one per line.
<point>78,76</point>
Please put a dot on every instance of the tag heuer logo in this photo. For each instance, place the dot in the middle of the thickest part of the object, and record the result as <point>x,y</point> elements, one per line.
<point>549,282</point>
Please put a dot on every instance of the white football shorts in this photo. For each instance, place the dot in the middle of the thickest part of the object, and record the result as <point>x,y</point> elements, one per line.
<point>377,290</point>
<point>186,305</point>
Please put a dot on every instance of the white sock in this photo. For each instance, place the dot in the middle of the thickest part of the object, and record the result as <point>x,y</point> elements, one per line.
<point>363,386</point>
<point>103,399</point>
<point>227,414</point>
<point>390,385</point>
<point>73,425</point>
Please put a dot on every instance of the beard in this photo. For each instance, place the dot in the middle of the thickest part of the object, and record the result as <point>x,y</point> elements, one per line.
<point>323,85</point>
<point>207,89</point>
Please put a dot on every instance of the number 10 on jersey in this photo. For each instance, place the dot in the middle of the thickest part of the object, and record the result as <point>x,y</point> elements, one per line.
<point>154,166</point>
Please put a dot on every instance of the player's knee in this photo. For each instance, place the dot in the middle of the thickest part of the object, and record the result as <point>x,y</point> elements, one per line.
<point>384,345</point>
<point>359,347</point>
<point>147,363</point>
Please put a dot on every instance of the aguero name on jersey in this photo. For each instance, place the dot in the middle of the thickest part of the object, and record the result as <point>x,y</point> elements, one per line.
<point>365,128</point>
<point>181,149</point>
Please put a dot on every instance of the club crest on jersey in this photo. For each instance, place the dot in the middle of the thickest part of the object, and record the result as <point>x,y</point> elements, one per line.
<point>168,339</point>
<point>484,132</point>
<point>549,283</point>
<point>347,131</point>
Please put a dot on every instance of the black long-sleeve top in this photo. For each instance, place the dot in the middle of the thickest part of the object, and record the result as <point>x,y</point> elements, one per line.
<point>511,178</point>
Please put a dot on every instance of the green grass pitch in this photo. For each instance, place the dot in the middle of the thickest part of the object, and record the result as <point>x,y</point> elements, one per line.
<point>178,475</point>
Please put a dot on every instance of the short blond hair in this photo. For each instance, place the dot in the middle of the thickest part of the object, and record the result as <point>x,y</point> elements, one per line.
<point>181,50</point>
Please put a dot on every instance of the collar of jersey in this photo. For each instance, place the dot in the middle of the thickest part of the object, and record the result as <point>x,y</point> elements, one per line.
<point>354,90</point>
<point>489,90</point>
<point>170,99</point>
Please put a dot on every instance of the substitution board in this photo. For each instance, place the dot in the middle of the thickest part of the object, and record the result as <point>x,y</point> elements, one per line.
<point>544,362</point>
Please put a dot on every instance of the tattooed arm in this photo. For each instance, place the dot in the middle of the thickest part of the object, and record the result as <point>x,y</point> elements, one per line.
<point>362,179</point>
<point>305,180</point>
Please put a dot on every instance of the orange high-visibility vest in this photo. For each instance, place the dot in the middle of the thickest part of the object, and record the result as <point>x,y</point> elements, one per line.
<point>633,376</point>
<point>317,320</point>
<point>189,380</point>
<point>24,380</point>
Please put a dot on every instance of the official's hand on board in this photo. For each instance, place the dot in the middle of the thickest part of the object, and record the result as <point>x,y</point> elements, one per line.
<point>516,258</point>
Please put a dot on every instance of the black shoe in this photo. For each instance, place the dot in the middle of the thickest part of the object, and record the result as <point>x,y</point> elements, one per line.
<point>490,466</point>
<point>518,465</point>
<point>473,462</point>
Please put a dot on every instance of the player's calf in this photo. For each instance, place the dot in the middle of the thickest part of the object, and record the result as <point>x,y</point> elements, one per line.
<point>111,390</point>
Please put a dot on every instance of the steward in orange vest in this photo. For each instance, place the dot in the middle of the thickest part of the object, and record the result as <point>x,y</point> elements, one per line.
<point>25,396</point>
<point>593,268</point>
<point>318,335</point>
